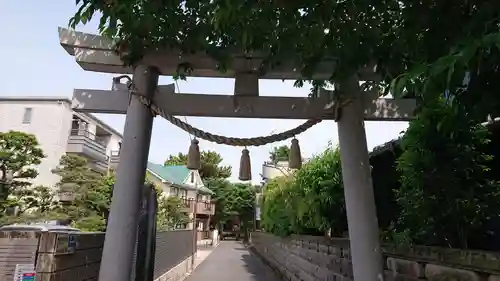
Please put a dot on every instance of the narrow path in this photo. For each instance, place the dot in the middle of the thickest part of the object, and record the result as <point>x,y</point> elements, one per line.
<point>231,261</point>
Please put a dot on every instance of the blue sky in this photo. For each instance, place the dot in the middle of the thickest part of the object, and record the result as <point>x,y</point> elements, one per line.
<point>33,63</point>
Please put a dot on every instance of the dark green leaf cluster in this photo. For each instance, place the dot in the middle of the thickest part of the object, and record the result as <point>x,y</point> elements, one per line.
<point>280,153</point>
<point>446,195</point>
<point>399,36</point>
<point>232,201</point>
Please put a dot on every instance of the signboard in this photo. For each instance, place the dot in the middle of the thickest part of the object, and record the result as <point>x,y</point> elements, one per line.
<point>24,272</point>
<point>66,244</point>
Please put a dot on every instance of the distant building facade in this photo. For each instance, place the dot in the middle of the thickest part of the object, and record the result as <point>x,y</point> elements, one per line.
<point>179,181</point>
<point>61,131</point>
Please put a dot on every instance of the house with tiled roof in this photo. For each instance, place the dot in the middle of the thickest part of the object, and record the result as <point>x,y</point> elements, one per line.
<point>179,181</point>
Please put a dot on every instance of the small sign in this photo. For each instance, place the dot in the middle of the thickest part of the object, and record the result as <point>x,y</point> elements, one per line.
<point>72,243</point>
<point>24,272</point>
<point>66,244</point>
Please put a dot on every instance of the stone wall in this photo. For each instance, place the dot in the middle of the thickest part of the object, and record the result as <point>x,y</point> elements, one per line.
<point>308,258</point>
<point>69,256</point>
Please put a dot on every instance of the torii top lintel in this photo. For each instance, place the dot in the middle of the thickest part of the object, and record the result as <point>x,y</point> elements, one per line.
<point>96,53</point>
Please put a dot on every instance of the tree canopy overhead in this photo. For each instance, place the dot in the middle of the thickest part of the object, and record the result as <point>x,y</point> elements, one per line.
<point>404,36</point>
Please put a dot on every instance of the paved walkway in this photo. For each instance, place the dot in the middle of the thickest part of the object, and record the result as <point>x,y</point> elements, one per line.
<point>231,261</point>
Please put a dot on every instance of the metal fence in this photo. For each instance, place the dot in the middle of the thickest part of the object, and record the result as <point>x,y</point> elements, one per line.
<point>172,247</point>
<point>168,249</point>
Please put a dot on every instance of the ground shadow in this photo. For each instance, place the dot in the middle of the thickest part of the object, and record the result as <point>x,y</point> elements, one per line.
<point>232,261</point>
<point>254,265</point>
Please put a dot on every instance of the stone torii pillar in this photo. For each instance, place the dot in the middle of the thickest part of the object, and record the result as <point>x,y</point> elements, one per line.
<point>121,231</point>
<point>361,211</point>
<point>95,53</point>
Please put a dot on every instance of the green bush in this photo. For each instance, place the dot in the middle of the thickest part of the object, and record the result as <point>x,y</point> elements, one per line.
<point>445,194</point>
<point>310,201</point>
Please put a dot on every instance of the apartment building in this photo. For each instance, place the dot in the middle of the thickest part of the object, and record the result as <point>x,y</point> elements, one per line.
<point>186,184</point>
<point>60,130</point>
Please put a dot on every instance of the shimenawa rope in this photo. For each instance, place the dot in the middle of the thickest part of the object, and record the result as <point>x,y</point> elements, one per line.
<point>255,141</point>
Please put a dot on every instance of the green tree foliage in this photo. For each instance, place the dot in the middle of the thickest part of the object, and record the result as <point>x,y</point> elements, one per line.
<point>19,152</point>
<point>232,201</point>
<point>30,204</point>
<point>277,214</point>
<point>210,164</point>
<point>445,195</point>
<point>311,201</point>
<point>40,199</point>
<point>465,65</point>
<point>241,201</point>
<point>280,153</point>
<point>170,213</point>
<point>320,185</point>
<point>221,189</point>
<point>397,35</point>
<point>92,193</point>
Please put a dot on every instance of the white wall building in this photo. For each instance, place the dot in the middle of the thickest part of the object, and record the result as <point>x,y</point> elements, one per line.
<point>270,170</point>
<point>60,130</point>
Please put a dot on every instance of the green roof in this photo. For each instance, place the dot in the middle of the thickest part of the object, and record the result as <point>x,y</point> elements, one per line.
<point>175,174</point>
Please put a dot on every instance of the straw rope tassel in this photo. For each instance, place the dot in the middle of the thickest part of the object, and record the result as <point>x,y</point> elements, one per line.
<point>194,162</point>
<point>294,158</point>
<point>245,167</point>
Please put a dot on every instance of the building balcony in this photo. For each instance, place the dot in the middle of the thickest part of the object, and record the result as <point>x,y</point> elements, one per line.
<point>205,208</point>
<point>86,144</point>
<point>202,207</point>
<point>114,159</point>
<point>98,166</point>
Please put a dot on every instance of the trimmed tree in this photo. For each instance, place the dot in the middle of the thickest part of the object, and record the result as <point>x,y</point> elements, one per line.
<point>19,152</point>
<point>90,206</point>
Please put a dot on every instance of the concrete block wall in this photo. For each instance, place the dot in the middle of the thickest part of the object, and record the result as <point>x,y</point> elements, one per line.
<point>18,247</point>
<point>69,256</point>
<point>63,256</point>
<point>309,258</point>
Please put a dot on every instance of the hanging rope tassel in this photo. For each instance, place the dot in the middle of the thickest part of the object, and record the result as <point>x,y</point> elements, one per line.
<point>245,167</point>
<point>294,158</point>
<point>194,162</point>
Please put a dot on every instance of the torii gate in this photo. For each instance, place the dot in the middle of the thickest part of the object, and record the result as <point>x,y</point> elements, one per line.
<point>95,53</point>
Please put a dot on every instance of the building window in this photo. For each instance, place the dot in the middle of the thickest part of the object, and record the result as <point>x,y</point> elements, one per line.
<point>28,112</point>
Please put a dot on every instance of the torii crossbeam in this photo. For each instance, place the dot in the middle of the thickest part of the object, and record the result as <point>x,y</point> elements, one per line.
<point>95,53</point>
